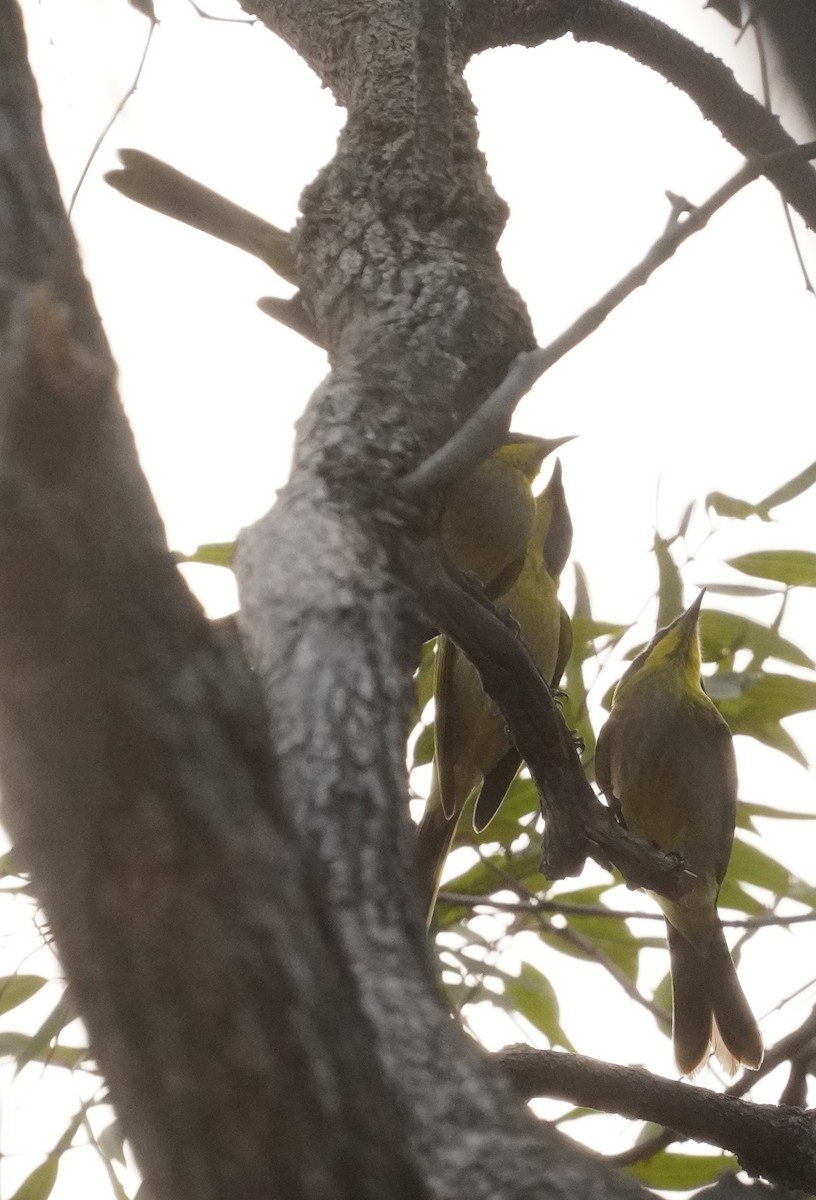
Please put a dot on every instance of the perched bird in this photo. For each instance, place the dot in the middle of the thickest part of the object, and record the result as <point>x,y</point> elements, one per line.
<point>665,758</point>
<point>473,746</point>
<point>488,517</point>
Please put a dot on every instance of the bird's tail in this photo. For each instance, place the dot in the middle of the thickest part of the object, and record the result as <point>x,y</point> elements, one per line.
<point>710,1009</point>
<point>434,836</point>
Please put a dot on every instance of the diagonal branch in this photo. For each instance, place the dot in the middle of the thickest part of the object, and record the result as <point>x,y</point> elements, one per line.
<point>741,119</point>
<point>530,365</point>
<point>776,1141</point>
<point>787,1049</point>
<point>577,824</point>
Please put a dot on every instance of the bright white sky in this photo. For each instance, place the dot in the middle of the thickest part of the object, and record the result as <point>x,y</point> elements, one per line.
<point>702,381</point>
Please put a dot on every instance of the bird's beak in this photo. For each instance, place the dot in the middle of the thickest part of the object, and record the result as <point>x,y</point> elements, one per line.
<point>691,615</point>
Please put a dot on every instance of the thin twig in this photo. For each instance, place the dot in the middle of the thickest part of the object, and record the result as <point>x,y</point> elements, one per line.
<point>205,16</point>
<point>585,945</point>
<point>599,910</point>
<point>114,115</point>
<point>487,427</point>
<point>708,83</point>
<point>576,823</point>
<point>766,96</point>
<point>529,366</point>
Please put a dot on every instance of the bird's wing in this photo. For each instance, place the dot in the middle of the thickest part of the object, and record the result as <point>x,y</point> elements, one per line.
<point>494,789</point>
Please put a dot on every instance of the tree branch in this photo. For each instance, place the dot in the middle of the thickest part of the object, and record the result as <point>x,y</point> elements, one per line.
<point>535,905</point>
<point>741,119</point>
<point>157,185</point>
<point>577,825</point>
<point>529,366</point>
<point>789,1048</point>
<point>776,1142</point>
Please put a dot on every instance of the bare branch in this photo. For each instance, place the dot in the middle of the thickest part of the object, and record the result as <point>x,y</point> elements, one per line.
<point>131,91</point>
<point>461,900</point>
<point>741,119</point>
<point>530,365</point>
<point>786,1049</point>
<point>769,1140</point>
<point>577,825</point>
<point>156,184</point>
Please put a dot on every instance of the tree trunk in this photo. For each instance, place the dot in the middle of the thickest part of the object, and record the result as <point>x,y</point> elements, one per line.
<point>226,856</point>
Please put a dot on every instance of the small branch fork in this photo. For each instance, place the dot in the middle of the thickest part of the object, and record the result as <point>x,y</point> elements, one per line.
<point>487,427</point>
<point>577,823</point>
<point>776,1141</point>
<point>795,1047</point>
<point>742,120</point>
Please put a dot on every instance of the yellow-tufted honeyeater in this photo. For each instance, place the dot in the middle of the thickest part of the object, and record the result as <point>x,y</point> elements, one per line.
<point>666,758</point>
<point>473,747</point>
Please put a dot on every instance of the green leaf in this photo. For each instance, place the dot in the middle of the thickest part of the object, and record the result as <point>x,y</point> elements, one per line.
<point>778,738</point>
<point>648,1130</point>
<point>681,1172</point>
<point>586,631</point>
<point>734,508</point>
<point>424,680</point>
<point>12,1045</point>
<point>213,554</point>
<point>769,699</point>
<point>38,1044</point>
<point>777,814</point>
<point>9,865</point>
<point>16,989</point>
<point>111,1142</point>
<point>584,895</point>
<point>583,602</point>
<point>486,878</point>
<point>757,869</point>
<point>793,488</point>
<point>40,1183</point>
<point>746,590</point>
<point>533,996</point>
<point>521,800</point>
<point>723,633</point>
<point>670,583</point>
<point>734,897</point>
<point>731,506</point>
<point>662,997</point>
<point>424,747</point>
<point>794,568</point>
<point>613,938</point>
<point>574,1114</point>
<point>775,696</point>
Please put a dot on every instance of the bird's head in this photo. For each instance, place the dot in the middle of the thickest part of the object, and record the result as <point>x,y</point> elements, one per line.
<point>677,648</point>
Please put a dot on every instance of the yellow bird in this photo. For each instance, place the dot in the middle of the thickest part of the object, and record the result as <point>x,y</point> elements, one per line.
<point>473,746</point>
<point>487,519</point>
<point>666,758</point>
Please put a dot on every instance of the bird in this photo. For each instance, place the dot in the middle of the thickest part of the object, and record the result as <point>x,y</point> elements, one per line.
<point>487,517</point>
<point>665,761</point>
<point>473,747</point>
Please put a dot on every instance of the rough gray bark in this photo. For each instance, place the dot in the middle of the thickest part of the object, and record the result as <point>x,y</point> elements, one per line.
<point>401,272</point>
<point>235,912</point>
<point>225,855</point>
